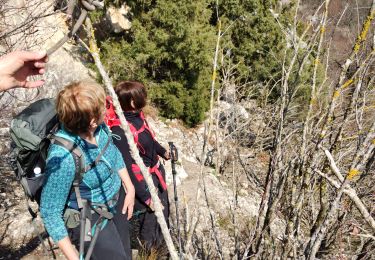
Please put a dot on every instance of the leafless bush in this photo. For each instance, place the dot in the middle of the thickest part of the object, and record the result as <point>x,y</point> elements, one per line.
<point>314,165</point>
<point>29,25</point>
<point>20,26</point>
<point>318,155</point>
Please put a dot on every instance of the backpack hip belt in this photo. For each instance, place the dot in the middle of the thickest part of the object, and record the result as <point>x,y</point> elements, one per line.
<point>152,170</point>
<point>155,170</point>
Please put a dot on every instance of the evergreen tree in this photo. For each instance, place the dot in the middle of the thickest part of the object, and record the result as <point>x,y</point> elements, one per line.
<point>255,40</point>
<point>170,47</point>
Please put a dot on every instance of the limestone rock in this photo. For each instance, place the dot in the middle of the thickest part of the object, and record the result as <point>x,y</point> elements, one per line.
<point>117,18</point>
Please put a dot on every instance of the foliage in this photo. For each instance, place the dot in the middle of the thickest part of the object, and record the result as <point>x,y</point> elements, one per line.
<point>170,48</point>
<point>256,41</point>
<point>171,45</point>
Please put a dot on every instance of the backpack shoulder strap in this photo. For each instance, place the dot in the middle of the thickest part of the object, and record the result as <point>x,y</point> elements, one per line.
<point>97,159</point>
<point>142,115</point>
<point>146,126</point>
<point>76,152</point>
<point>135,134</point>
<point>79,162</point>
<point>133,130</point>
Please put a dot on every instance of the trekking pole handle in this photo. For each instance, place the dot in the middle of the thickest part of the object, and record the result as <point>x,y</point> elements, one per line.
<point>173,152</point>
<point>174,156</point>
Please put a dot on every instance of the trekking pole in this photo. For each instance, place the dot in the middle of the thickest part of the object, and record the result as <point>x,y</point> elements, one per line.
<point>93,241</point>
<point>174,159</point>
<point>82,232</point>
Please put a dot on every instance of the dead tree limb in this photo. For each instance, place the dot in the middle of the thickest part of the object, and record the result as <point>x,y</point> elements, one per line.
<point>94,51</point>
<point>352,194</point>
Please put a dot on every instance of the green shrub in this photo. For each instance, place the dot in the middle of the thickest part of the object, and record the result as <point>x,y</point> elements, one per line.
<point>171,46</point>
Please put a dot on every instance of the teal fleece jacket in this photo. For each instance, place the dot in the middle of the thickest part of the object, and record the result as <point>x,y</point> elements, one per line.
<point>98,185</point>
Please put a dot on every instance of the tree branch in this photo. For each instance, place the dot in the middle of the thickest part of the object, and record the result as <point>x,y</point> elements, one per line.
<point>94,51</point>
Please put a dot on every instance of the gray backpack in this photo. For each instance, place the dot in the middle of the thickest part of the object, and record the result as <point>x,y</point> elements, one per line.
<point>32,132</point>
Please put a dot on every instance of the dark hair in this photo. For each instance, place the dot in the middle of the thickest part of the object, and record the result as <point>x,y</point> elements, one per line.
<point>131,90</point>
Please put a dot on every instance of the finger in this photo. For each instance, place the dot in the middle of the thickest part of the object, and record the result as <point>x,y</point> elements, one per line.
<point>45,59</point>
<point>124,209</point>
<point>34,84</point>
<point>39,64</point>
<point>34,71</point>
<point>130,212</point>
<point>30,55</point>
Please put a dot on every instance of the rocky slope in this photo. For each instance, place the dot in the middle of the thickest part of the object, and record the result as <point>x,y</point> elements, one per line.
<point>18,237</point>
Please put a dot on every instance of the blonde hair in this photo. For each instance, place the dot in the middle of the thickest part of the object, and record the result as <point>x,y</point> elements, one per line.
<point>78,103</point>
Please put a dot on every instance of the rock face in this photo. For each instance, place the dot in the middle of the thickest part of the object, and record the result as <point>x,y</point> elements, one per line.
<point>118,18</point>
<point>165,134</point>
<point>64,66</point>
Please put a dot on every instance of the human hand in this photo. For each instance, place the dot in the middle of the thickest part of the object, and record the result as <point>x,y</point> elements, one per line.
<point>68,249</point>
<point>167,155</point>
<point>151,206</point>
<point>173,153</point>
<point>129,203</point>
<point>16,66</point>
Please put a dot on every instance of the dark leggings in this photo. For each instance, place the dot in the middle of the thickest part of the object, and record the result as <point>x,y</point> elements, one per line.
<point>144,226</point>
<point>113,241</point>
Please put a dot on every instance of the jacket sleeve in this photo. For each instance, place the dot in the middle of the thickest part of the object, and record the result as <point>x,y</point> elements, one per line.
<point>59,179</point>
<point>141,190</point>
<point>160,150</point>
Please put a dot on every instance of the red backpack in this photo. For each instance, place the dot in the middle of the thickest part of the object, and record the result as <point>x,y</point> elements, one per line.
<point>110,119</point>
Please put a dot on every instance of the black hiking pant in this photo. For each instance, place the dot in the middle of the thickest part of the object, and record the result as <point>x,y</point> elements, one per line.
<point>113,242</point>
<point>144,227</point>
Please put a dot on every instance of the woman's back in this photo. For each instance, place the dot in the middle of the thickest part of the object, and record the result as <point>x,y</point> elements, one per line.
<point>99,185</point>
<point>150,148</point>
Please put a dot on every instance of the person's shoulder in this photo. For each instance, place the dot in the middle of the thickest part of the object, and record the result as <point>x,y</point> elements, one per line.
<point>103,128</point>
<point>57,150</point>
<point>63,133</point>
<point>117,129</point>
<point>58,147</point>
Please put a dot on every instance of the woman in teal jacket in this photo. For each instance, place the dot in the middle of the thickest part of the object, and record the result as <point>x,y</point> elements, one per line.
<point>81,109</point>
